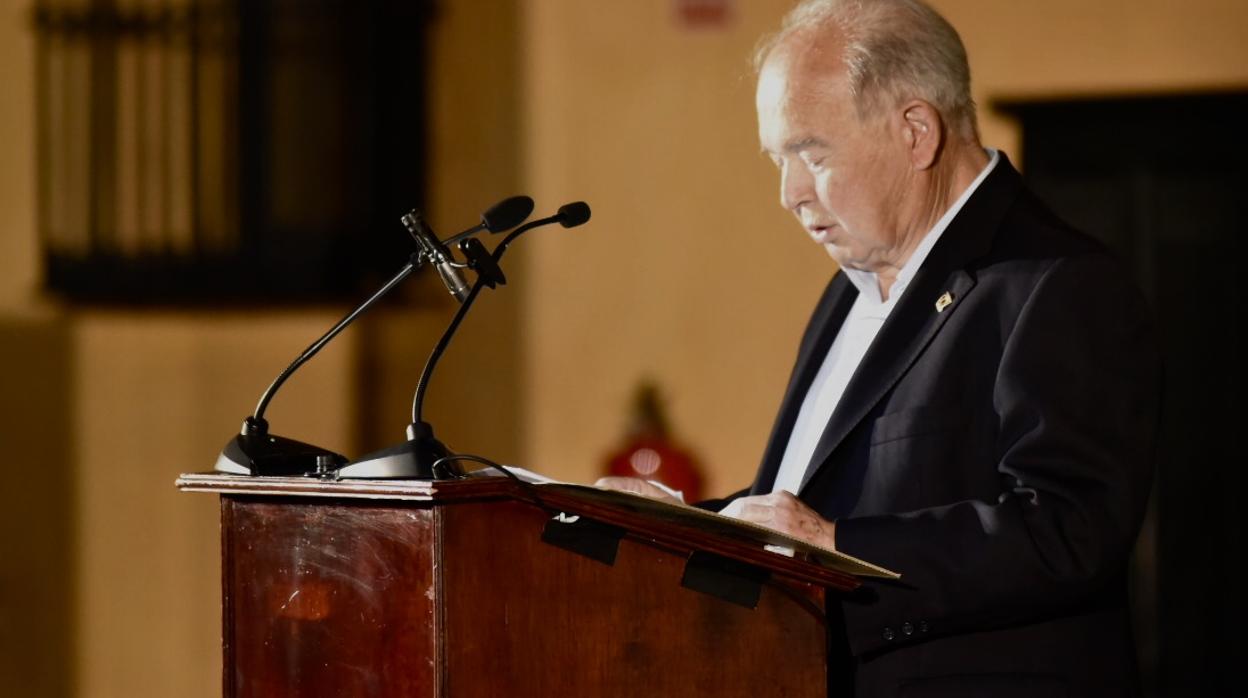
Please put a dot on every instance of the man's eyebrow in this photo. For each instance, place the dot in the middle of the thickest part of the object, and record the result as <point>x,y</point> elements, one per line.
<point>804,144</point>
<point>796,146</point>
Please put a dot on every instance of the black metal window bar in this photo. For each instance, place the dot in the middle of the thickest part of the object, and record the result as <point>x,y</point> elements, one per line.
<point>212,150</point>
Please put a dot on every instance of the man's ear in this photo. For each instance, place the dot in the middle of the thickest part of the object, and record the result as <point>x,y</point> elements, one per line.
<point>923,132</point>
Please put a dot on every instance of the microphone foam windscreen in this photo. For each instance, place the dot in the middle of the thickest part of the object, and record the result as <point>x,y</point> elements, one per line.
<point>573,214</point>
<point>507,214</point>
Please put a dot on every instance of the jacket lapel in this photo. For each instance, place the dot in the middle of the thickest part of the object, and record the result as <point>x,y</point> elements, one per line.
<point>916,320</point>
<point>826,322</point>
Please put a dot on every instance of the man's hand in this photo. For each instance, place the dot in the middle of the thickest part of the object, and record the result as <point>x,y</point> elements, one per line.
<point>783,512</point>
<point>636,486</point>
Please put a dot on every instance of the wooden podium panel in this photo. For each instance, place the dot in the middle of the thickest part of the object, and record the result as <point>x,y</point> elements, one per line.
<point>448,589</point>
<point>328,598</point>
<point>542,621</point>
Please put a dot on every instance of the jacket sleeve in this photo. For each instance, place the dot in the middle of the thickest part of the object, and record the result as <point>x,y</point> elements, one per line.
<point>1077,398</point>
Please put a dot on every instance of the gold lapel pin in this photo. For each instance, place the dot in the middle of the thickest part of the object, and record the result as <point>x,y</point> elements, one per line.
<point>945,300</point>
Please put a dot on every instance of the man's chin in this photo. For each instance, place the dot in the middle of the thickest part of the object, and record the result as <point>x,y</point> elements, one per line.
<point>841,256</point>
<point>844,260</point>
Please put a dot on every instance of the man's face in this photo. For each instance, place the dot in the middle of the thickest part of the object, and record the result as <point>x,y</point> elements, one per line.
<point>841,176</point>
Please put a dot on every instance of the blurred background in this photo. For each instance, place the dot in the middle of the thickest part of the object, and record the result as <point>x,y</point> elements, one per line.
<point>193,190</point>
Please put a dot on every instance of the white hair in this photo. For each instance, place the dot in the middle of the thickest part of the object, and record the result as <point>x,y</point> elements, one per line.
<point>893,50</point>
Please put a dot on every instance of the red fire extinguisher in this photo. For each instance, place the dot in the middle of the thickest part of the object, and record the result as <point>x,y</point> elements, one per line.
<point>650,452</point>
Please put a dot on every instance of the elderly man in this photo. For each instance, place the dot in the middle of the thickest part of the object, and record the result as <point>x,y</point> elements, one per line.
<point>975,399</point>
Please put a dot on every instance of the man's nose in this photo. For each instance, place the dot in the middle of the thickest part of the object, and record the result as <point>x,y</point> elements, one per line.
<point>796,187</point>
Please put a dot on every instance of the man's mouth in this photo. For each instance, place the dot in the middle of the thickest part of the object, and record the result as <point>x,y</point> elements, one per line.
<point>820,233</point>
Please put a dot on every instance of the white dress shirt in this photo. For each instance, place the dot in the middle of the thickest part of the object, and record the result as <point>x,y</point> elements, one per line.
<point>852,341</point>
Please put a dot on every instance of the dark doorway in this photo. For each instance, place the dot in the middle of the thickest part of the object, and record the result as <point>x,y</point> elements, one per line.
<point>1163,181</point>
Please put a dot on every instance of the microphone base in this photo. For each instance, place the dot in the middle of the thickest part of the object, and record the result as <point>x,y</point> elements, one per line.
<point>264,455</point>
<point>413,459</point>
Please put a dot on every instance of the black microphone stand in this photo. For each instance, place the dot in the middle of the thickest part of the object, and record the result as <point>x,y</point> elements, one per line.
<point>415,458</point>
<point>256,452</point>
<point>418,456</point>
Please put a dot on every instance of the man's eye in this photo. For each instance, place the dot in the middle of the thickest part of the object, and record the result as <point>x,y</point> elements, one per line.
<point>813,163</point>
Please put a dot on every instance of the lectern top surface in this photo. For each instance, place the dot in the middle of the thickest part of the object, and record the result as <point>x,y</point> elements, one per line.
<point>311,486</point>
<point>680,526</point>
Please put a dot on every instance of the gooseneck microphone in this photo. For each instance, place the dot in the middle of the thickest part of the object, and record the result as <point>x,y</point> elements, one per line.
<point>437,254</point>
<point>416,457</point>
<point>502,216</point>
<point>256,452</point>
<point>568,216</point>
<point>498,218</point>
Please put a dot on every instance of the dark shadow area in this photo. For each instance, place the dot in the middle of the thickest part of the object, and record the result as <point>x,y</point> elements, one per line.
<point>1162,181</point>
<point>37,504</point>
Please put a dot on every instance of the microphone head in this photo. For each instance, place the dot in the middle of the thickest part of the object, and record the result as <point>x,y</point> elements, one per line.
<point>573,214</point>
<point>507,214</point>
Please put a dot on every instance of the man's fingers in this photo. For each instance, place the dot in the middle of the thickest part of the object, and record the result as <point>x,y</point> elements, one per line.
<point>785,513</point>
<point>757,512</point>
<point>626,484</point>
<point>764,507</point>
<point>615,483</point>
<point>636,486</point>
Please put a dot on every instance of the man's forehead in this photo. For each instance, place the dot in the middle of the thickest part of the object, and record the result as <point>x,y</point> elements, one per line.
<point>788,126</point>
<point>802,68</point>
<point>799,97</point>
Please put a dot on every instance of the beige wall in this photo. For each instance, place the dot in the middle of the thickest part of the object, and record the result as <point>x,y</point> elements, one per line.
<point>109,578</point>
<point>18,260</point>
<point>474,149</point>
<point>1076,47</point>
<point>157,395</point>
<point>690,271</point>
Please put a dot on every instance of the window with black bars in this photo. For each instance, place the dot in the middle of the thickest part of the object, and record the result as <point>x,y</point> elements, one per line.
<point>218,150</point>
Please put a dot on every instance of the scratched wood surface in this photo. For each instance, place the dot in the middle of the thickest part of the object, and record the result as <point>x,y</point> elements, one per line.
<point>460,597</point>
<point>325,598</point>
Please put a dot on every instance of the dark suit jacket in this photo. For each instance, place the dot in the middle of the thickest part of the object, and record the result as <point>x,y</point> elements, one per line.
<point>997,453</point>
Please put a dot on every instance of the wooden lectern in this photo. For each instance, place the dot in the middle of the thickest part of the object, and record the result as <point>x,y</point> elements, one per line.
<point>484,587</point>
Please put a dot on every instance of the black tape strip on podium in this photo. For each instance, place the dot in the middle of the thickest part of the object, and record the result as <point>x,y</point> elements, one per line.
<point>729,580</point>
<point>592,539</point>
